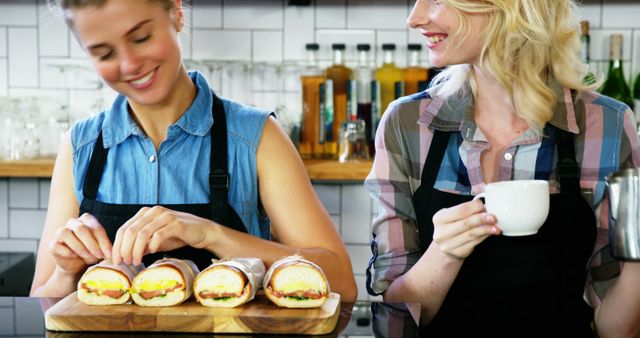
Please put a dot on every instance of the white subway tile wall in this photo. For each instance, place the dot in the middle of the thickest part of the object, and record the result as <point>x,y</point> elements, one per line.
<point>3,42</point>
<point>24,193</point>
<point>331,14</point>
<point>52,34</point>
<point>4,90</point>
<point>23,57</point>
<point>39,57</point>
<point>4,209</point>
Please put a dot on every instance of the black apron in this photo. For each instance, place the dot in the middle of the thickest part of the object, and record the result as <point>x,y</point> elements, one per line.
<point>517,286</point>
<point>112,216</point>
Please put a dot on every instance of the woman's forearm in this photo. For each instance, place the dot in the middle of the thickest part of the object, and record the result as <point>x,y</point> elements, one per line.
<point>60,284</point>
<point>427,282</point>
<point>225,242</point>
<point>619,313</point>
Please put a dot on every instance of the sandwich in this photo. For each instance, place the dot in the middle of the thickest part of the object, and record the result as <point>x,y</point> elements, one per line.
<point>229,283</point>
<point>295,282</point>
<point>106,283</point>
<point>166,282</point>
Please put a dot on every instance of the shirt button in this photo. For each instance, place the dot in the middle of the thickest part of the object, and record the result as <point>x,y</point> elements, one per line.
<point>508,156</point>
<point>152,158</point>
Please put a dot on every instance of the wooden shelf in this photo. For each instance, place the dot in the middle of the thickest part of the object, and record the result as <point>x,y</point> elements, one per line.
<point>319,170</point>
<point>332,170</point>
<point>41,167</point>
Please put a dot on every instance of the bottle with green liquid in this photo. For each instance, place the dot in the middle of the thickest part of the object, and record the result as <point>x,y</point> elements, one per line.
<point>615,86</point>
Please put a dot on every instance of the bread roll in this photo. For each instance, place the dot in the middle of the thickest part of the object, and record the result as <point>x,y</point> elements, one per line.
<point>106,283</point>
<point>166,282</point>
<point>295,282</point>
<point>229,283</point>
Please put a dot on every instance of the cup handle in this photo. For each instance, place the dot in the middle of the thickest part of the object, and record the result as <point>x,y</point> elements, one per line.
<point>480,195</point>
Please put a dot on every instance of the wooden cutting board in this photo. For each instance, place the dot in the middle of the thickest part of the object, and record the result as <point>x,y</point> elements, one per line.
<point>257,316</point>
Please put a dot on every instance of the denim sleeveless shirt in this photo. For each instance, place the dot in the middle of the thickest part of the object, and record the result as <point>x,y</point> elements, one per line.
<point>178,173</point>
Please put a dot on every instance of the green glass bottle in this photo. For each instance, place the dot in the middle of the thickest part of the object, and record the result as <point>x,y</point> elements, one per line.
<point>585,52</point>
<point>615,86</point>
<point>636,95</point>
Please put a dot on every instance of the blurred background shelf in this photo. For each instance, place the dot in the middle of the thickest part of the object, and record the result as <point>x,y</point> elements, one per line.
<point>41,167</point>
<point>319,170</point>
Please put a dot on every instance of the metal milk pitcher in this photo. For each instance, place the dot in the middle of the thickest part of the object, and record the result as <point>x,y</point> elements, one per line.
<point>623,188</point>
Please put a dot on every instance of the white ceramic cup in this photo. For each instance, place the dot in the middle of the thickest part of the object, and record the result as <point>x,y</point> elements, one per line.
<point>520,207</point>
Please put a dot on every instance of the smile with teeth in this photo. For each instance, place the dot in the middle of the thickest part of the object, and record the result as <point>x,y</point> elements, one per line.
<point>143,80</point>
<point>436,38</point>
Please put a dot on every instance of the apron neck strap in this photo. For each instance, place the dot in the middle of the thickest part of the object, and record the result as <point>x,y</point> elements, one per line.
<point>218,175</point>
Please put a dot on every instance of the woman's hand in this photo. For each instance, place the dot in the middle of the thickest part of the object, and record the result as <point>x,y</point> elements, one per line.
<point>457,230</point>
<point>158,229</point>
<point>81,242</point>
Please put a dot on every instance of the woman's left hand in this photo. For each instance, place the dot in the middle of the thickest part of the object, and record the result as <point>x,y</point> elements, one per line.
<point>158,229</point>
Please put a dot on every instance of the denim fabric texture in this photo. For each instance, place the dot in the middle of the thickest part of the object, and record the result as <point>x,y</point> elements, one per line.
<point>178,172</point>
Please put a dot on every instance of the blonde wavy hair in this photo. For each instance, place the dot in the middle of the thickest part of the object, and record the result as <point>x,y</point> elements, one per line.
<point>525,42</point>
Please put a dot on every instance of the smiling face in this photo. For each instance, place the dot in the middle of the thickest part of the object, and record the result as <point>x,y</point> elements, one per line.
<point>134,47</point>
<point>448,40</point>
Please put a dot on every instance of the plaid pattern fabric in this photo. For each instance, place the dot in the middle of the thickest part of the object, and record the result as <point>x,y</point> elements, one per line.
<point>605,139</point>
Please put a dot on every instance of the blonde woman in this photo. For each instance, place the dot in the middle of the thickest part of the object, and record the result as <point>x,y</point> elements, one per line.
<point>170,169</point>
<point>511,105</point>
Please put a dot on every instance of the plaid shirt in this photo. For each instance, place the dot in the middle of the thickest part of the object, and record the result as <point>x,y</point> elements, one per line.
<point>605,139</point>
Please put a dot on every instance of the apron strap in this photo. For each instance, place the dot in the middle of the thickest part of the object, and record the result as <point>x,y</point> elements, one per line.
<point>430,172</point>
<point>95,169</point>
<point>568,169</point>
<point>576,240</point>
<point>218,176</point>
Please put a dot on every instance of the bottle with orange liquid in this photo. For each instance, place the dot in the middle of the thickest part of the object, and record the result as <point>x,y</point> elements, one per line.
<point>388,75</point>
<point>312,135</point>
<point>340,75</point>
<point>415,76</point>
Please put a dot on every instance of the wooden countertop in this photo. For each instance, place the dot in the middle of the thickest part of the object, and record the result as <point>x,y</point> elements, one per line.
<point>319,170</point>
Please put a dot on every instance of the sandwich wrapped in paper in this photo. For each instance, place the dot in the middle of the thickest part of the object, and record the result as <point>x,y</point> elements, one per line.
<point>295,282</point>
<point>229,283</point>
<point>166,282</point>
<point>106,283</point>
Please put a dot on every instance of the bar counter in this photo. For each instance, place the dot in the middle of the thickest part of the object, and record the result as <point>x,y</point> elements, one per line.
<point>24,317</point>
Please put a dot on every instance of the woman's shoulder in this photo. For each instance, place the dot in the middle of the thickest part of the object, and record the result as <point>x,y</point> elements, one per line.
<point>245,123</point>
<point>596,103</point>
<point>409,111</point>
<point>85,132</point>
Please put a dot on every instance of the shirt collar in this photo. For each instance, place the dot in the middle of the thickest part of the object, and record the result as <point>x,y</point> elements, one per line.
<point>118,124</point>
<point>455,113</point>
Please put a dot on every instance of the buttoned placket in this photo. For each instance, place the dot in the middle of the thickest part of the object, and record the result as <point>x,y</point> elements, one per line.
<point>505,170</point>
<point>153,163</point>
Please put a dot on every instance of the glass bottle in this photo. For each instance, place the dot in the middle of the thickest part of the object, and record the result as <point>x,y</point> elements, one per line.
<point>585,52</point>
<point>312,125</point>
<point>615,86</point>
<point>415,76</point>
<point>364,75</point>
<point>388,75</point>
<point>376,112</point>
<point>340,75</point>
<point>636,96</point>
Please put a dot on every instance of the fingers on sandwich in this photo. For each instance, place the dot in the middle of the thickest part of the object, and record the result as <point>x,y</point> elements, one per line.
<point>295,282</point>
<point>106,283</point>
<point>229,283</point>
<point>166,282</point>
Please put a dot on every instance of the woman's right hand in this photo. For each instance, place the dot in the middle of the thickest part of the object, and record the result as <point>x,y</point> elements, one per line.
<point>457,230</point>
<point>81,242</point>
